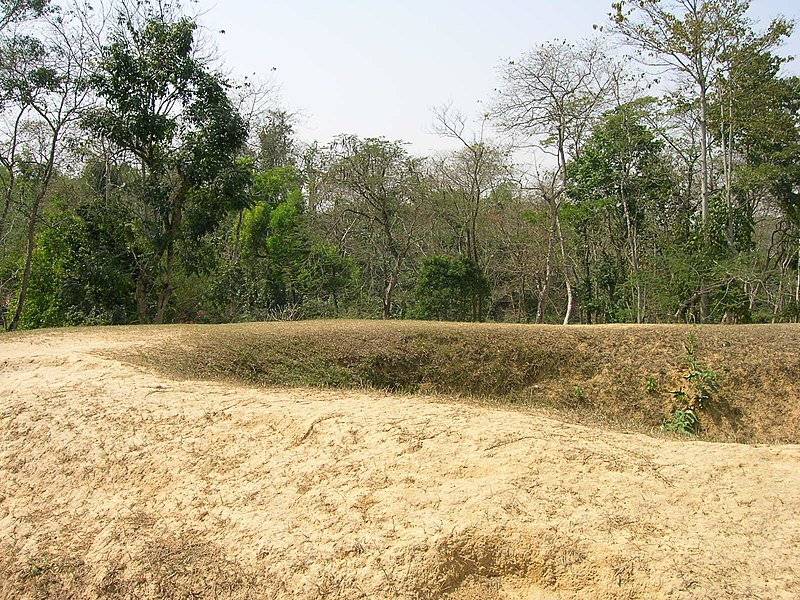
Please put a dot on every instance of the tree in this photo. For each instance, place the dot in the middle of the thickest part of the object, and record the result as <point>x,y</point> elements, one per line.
<point>374,184</point>
<point>43,87</point>
<point>17,11</point>
<point>553,94</point>
<point>170,113</point>
<point>82,270</point>
<point>275,235</point>
<point>468,177</point>
<point>467,180</point>
<point>691,37</point>
<point>276,145</point>
<point>517,233</point>
<point>619,181</point>
<point>450,289</point>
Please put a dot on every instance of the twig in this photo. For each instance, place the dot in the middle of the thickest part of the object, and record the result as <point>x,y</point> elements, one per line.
<point>316,421</point>
<point>507,442</point>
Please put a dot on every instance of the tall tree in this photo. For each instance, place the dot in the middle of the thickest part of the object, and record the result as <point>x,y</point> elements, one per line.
<point>621,175</point>
<point>692,38</point>
<point>44,91</point>
<point>376,185</point>
<point>164,106</point>
<point>468,177</point>
<point>551,96</point>
<point>467,180</point>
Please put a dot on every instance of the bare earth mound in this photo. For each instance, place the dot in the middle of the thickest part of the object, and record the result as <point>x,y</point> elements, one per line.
<point>116,482</point>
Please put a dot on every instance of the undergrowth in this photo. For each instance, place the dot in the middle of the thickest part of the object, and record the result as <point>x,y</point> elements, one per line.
<point>701,384</point>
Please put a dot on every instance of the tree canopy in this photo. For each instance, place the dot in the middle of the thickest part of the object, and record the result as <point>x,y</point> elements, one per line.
<point>651,178</point>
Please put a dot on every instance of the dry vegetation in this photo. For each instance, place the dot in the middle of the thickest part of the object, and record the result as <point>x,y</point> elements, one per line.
<point>124,476</point>
<point>623,375</point>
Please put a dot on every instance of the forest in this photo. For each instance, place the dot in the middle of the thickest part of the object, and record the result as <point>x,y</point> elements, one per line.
<point>142,185</point>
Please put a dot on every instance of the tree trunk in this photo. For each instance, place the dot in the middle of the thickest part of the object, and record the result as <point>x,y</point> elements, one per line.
<point>31,237</point>
<point>26,274</point>
<point>797,287</point>
<point>562,159</point>
<point>175,221</point>
<point>633,246</point>
<point>727,161</point>
<point>704,302</point>
<point>165,293</point>
<point>567,283</point>
<point>689,302</point>
<point>388,293</point>
<point>387,300</point>
<point>544,290</point>
<point>704,188</point>
<point>142,304</point>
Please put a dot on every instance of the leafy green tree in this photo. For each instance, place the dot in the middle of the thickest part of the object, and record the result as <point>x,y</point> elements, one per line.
<point>692,38</point>
<point>620,178</point>
<point>16,11</point>
<point>42,94</point>
<point>467,181</point>
<point>327,276</point>
<point>82,271</point>
<point>165,108</point>
<point>753,109</point>
<point>281,266</point>
<point>276,145</point>
<point>450,289</point>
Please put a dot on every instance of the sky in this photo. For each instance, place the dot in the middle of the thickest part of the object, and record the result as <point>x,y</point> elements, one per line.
<point>378,68</point>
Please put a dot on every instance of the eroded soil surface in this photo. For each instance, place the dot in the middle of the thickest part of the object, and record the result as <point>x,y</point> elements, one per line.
<point>116,482</point>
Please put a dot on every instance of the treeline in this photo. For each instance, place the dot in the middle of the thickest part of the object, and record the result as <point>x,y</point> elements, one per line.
<point>136,188</point>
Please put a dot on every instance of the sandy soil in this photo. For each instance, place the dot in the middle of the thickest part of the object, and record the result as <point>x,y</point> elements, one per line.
<point>115,482</point>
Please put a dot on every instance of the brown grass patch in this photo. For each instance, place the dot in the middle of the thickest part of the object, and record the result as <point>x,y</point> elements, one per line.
<point>621,374</point>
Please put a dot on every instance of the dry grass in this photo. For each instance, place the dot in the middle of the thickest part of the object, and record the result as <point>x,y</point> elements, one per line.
<point>621,375</point>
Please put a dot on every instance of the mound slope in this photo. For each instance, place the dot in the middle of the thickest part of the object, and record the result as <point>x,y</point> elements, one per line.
<point>624,375</point>
<point>119,482</point>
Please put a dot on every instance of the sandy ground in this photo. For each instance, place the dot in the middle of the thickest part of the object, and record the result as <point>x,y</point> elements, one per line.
<point>115,482</point>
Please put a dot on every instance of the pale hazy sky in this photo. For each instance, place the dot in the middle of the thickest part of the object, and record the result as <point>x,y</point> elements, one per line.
<point>377,67</point>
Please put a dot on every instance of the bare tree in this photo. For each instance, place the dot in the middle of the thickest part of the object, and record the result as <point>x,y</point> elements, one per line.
<point>551,96</point>
<point>470,175</point>
<point>378,190</point>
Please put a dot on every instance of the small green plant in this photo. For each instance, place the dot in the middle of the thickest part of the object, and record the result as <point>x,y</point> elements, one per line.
<point>698,391</point>
<point>651,385</point>
<point>578,394</point>
<point>683,421</point>
<point>701,378</point>
<point>39,565</point>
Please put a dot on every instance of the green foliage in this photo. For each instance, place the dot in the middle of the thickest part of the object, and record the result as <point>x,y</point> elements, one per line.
<point>620,177</point>
<point>163,106</point>
<point>82,273</point>
<point>177,219</point>
<point>683,421</point>
<point>378,187</point>
<point>702,380</point>
<point>282,268</point>
<point>698,392</point>
<point>16,11</point>
<point>327,276</point>
<point>450,289</point>
<point>578,395</point>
